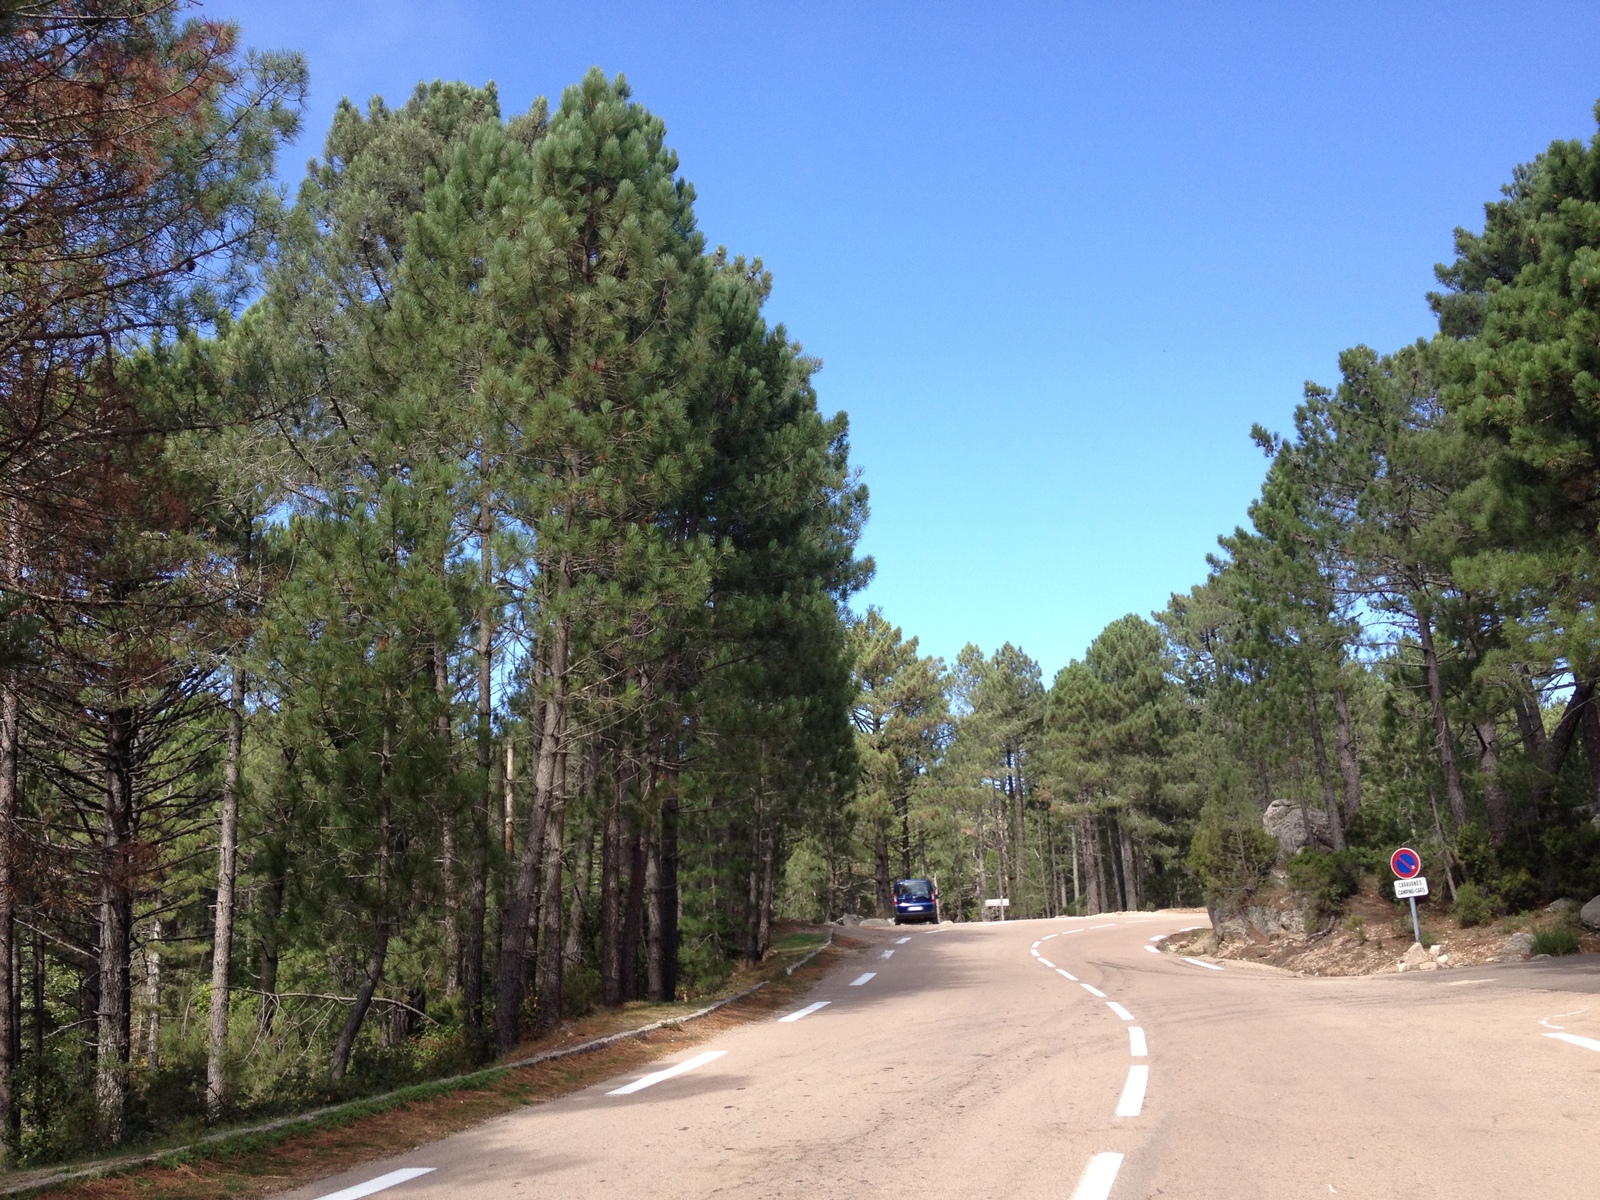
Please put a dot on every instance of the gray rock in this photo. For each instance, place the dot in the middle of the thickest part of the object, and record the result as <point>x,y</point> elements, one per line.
<point>1563,905</point>
<point>1590,913</point>
<point>1286,821</point>
<point>877,923</point>
<point>1415,957</point>
<point>850,919</point>
<point>1517,946</point>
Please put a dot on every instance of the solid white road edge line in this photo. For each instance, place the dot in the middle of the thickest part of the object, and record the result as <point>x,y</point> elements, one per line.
<point>1093,991</point>
<point>901,941</point>
<point>887,953</point>
<point>1098,1177</point>
<point>862,978</point>
<point>1586,1043</point>
<point>688,1064</point>
<point>1119,1010</point>
<point>1195,962</point>
<point>1132,1102</point>
<point>805,1012</point>
<point>1136,1042</point>
<point>1066,975</point>
<point>378,1184</point>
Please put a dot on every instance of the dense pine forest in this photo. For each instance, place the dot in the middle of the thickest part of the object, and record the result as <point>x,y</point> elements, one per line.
<point>427,599</point>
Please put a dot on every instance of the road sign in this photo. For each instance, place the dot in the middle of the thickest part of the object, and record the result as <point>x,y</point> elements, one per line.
<point>1406,863</point>
<point>1407,889</point>
<point>997,904</point>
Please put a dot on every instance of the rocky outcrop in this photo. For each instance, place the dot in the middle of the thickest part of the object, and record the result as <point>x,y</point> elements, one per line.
<point>1295,826</point>
<point>1590,913</point>
<point>1270,915</point>
<point>1563,905</point>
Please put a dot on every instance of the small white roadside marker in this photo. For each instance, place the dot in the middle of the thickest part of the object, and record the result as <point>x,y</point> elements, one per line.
<point>1152,950</point>
<point>379,1184</point>
<point>1195,962</point>
<point>901,941</point>
<point>1093,991</point>
<point>1132,1102</point>
<point>1119,1010</point>
<point>1098,1177</point>
<point>1048,963</point>
<point>1066,975</point>
<point>862,978</point>
<point>805,1012</point>
<point>889,953</point>
<point>1586,1043</point>
<point>1136,1043</point>
<point>688,1064</point>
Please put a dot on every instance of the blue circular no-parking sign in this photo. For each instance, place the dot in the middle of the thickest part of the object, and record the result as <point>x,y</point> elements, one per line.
<point>1406,863</point>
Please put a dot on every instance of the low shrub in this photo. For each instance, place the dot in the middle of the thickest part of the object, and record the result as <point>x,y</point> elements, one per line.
<point>1325,881</point>
<point>1563,939</point>
<point>1472,907</point>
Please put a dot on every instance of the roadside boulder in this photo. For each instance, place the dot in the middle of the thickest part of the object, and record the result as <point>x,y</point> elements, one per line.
<point>849,919</point>
<point>1295,826</point>
<point>1590,913</point>
<point>1415,958</point>
<point>1563,905</point>
<point>1518,946</point>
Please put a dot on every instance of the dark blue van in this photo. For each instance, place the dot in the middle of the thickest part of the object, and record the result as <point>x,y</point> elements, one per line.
<point>915,900</point>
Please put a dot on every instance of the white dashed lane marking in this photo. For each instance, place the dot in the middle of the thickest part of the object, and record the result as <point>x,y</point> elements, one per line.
<point>1048,963</point>
<point>806,1011</point>
<point>887,953</point>
<point>688,1064</point>
<point>1066,975</point>
<point>1132,1102</point>
<point>862,978</point>
<point>1195,962</point>
<point>1119,1010</point>
<point>1098,1177</point>
<point>1574,1039</point>
<point>381,1183</point>
<point>901,941</point>
<point>1152,950</point>
<point>1136,1043</point>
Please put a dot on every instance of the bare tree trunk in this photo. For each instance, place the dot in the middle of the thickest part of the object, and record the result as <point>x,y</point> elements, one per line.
<point>514,935</point>
<point>902,809</point>
<point>880,847</point>
<point>1556,747</point>
<point>551,960</point>
<point>764,926</point>
<point>1330,796</point>
<point>478,852</point>
<point>611,851</point>
<point>1130,880</point>
<point>152,997</point>
<point>10,752</point>
<point>1089,837</point>
<point>582,876</point>
<point>116,904</point>
<point>632,914</point>
<point>447,840</point>
<point>358,1011</point>
<point>267,979</point>
<point>664,913</point>
<point>1494,792</point>
<point>1345,749</point>
<point>1441,723</point>
<point>653,989</point>
<point>1591,751</point>
<point>222,937</point>
<point>983,871</point>
<point>1530,718</point>
<point>1077,890</point>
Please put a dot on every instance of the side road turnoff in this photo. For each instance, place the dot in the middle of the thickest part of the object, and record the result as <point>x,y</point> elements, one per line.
<point>957,1068</point>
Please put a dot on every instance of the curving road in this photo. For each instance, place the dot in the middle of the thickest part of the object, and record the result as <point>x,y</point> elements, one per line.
<point>1066,1058</point>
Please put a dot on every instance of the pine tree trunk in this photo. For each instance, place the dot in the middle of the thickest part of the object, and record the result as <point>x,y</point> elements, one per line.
<point>1494,792</point>
<point>478,852</point>
<point>514,936</point>
<point>764,927</point>
<point>551,959</point>
<point>1077,890</point>
<point>1555,750</point>
<point>115,911</point>
<point>611,852</point>
<point>10,751</point>
<point>222,937</point>
<point>664,949</point>
<point>1591,751</point>
<point>632,914</point>
<point>358,1011</point>
<point>1319,747</point>
<point>447,840</point>
<point>267,978</point>
<point>1130,878</point>
<point>1345,749</point>
<point>578,905</point>
<point>152,998</point>
<point>880,848</point>
<point>902,808</point>
<point>653,987</point>
<point>983,871</point>
<point>1441,723</point>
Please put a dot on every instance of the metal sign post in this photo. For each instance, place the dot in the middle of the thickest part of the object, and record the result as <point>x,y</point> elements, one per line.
<point>1407,864</point>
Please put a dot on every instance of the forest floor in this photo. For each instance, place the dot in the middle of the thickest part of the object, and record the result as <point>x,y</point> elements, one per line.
<point>1371,936</point>
<point>260,1164</point>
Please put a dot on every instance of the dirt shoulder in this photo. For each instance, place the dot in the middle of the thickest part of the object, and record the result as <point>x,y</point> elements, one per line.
<point>261,1164</point>
<point>1372,935</point>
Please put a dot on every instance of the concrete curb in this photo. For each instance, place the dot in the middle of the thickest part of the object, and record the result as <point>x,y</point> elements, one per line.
<point>23,1187</point>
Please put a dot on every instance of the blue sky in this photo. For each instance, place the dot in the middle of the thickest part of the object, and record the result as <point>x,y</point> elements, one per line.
<point>1057,258</point>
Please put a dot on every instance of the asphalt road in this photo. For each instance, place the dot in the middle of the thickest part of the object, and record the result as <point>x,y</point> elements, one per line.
<point>1023,1059</point>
